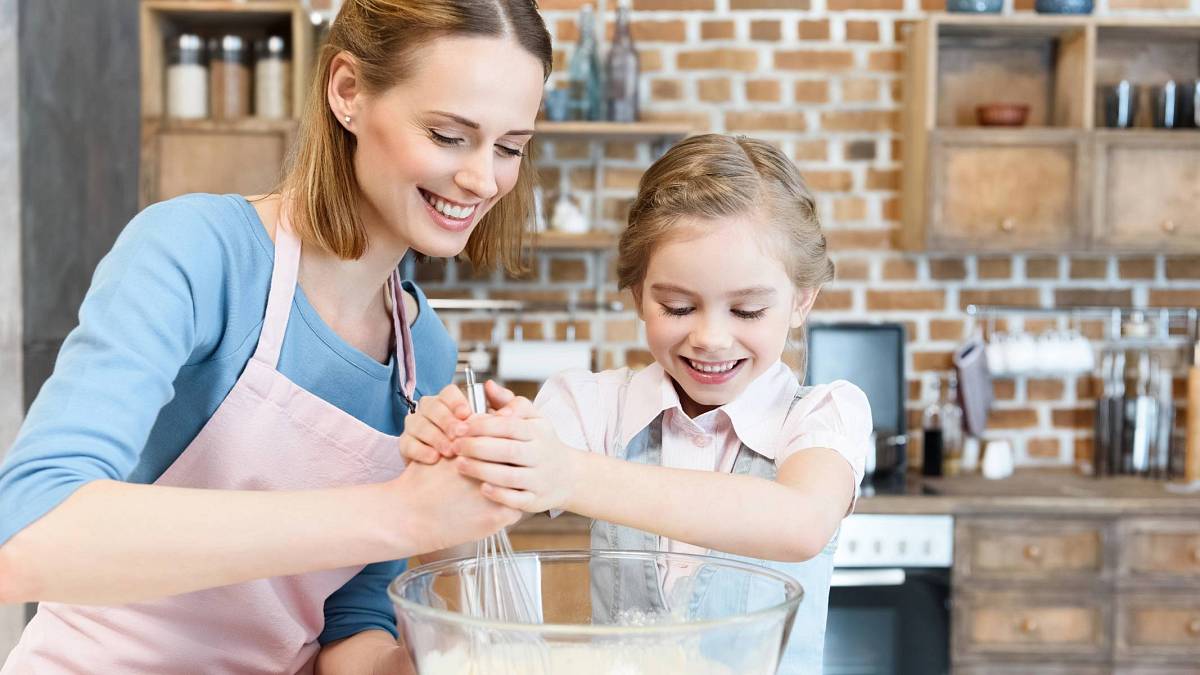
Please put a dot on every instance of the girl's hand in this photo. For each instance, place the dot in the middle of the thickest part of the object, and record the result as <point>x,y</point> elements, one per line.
<point>517,456</point>
<point>426,437</point>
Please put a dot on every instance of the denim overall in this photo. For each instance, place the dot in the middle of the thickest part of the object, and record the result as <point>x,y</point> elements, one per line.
<point>627,586</point>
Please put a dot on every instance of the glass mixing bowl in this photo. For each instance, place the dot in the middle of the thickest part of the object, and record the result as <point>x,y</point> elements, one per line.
<point>601,612</point>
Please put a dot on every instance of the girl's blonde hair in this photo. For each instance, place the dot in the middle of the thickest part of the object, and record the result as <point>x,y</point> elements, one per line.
<point>711,177</point>
<point>385,37</point>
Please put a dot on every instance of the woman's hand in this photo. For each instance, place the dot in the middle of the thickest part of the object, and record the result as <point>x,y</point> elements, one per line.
<point>517,456</point>
<point>440,507</point>
<point>428,433</point>
<point>426,437</point>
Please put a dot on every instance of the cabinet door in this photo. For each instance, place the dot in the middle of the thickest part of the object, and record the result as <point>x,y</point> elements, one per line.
<point>1032,550</point>
<point>1160,551</point>
<point>1006,192</point>
<point>1046,626</point>
<point>1148,191</point>
<point>1161,627</point>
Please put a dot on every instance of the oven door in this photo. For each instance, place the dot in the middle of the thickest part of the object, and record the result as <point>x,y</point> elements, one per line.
<point>888,621</point>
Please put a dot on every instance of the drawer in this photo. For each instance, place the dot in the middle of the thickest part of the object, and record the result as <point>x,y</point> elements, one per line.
<point>1032,550</point>
<point>1146,191</point>
<point>1073,626</point>
<point>1005,192</point>
<point>1160,550</point>
<point>1026,668</point>
<point>1158,626</point>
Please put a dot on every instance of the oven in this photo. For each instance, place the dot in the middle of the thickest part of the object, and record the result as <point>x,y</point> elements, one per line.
<point>889,601</point>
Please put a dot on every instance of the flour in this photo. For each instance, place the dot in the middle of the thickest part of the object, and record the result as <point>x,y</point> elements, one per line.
<point>571,659</point>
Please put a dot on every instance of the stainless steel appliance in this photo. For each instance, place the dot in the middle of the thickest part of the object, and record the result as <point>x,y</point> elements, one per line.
<point>870,355</point>
<point>889,604</point>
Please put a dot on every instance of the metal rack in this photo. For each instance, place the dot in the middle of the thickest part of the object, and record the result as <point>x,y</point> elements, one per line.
<point>1166,323</point>
<point>518,306</point>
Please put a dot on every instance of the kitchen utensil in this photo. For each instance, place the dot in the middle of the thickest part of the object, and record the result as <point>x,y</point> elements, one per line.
<point>1063,6</point>
<point>683,631</point>
<point>1142,409</point>
<point>1191,461</point>
<point>1120,104</point>
<point>498,588</point>
<point>1002,114</point>
<point>1166,98</point>
<point>974,384</point>
<point>975,6</point>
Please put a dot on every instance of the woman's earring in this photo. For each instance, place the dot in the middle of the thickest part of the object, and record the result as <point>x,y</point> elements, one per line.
<point>347,118</point>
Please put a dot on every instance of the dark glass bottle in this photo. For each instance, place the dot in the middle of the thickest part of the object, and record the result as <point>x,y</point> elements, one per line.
<point>622,71</point>
<point>931,428</point>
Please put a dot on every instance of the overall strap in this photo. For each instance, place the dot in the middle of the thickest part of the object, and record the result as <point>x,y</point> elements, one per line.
<point>282,291</point>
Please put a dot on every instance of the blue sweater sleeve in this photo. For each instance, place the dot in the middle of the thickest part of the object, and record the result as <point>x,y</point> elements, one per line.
<point>138,325</point>
<point>362,604</point>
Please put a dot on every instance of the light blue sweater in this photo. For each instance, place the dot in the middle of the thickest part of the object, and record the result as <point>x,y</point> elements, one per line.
<point>172,317</point>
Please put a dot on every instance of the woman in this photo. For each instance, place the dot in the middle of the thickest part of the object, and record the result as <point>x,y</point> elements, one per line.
<point>222,426</point>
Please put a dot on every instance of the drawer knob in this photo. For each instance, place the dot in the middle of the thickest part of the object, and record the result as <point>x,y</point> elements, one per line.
<point>1033,552</point>
<point>1008,224</point>
<point>1193,626</point>
<point>1028,625</point>
<point>1196,554</point>
<point>1169,226</point>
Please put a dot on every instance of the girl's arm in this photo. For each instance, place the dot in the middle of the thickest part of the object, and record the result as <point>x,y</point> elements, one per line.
<point>523,465</point>
<point>113,542</point>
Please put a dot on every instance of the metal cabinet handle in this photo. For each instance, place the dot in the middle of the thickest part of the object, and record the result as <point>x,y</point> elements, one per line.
<point>1169,226</point>
<point>1033,552</point>
<point>1008,224</point>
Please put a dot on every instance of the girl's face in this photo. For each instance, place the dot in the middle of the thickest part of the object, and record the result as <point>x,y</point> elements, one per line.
<point>718,308</point>
<point>439,149</point>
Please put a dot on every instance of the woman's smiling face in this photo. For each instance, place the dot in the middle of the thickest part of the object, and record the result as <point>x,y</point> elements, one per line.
<point>436,151</point>
<point>718,307</point>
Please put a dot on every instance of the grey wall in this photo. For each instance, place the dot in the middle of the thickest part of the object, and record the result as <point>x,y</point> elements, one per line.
<point>79,158</point>
<point>11,617</point>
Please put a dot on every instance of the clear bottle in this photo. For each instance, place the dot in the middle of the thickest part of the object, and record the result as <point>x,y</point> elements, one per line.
<point>229,79</point>
<point>932,441</point>
<point>621,71</point>
<point>952,429</point>
<point>272,78</point>
<point>583,74</point>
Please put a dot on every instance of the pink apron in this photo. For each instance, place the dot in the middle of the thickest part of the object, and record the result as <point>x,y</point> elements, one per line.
<point>268,434</point>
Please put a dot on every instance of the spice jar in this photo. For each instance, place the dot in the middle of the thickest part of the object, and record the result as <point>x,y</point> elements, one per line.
<point>187,78</point>
<point>229,79</point>
<point>272,79</point>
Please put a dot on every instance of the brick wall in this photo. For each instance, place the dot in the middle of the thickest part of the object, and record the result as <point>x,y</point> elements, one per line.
<point>821,78</point>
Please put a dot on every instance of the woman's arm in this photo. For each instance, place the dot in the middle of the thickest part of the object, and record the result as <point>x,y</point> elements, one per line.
<point>372,652</point>
<point>113,542</point>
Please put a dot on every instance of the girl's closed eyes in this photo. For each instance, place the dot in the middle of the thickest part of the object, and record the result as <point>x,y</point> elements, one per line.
<point>750,315</point>
<point>453,141</point>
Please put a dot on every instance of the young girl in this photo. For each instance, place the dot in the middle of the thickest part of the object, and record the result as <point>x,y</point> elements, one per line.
<point>714,448</point>
<point>215,457</point>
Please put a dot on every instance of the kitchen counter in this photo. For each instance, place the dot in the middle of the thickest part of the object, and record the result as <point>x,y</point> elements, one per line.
<point>1027,492</point>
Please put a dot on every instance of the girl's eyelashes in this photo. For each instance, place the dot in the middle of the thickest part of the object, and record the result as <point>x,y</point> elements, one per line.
<point>750,315</point>
<point>510,152</point>
<point>444,140</point>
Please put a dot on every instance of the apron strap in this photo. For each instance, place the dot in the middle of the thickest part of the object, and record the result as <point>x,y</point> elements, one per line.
<point>283,290</point>
<point>402,335</point>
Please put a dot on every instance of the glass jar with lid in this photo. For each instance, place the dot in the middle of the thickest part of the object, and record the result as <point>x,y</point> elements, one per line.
<point>272,78</point>
<point>229,79</point>
<point>187,78</point>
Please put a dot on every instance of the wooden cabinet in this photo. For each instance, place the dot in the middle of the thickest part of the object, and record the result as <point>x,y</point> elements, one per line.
<point>1060,182</point>
<point>1148,191</point>
<point>239,155</point>
<point>1034,549</point>
<point>997,192</point>
<point>1016,623</point>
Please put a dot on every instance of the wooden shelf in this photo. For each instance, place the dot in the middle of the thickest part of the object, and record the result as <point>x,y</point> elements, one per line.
<point>216,7</point>
<point>562,241</point>
<point>244,125</point>
<point>612,130</point>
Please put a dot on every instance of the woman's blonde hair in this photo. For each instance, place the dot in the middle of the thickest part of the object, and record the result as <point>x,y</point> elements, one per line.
<point>385,38</point>
<point>715,177</point>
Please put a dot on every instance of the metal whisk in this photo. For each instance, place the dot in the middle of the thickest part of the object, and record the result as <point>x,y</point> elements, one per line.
<point>498,590</point>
